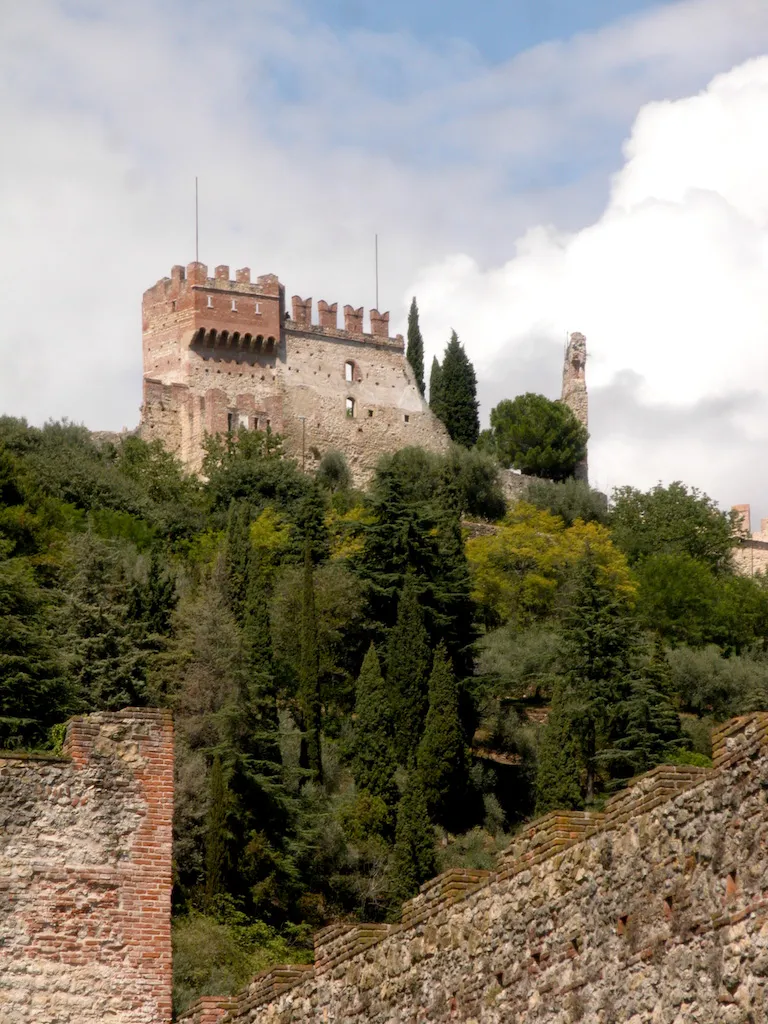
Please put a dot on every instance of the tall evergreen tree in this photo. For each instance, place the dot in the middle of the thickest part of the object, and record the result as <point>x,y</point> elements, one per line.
<point>408,666</point>
<point>601,637</point>
<point>374,764</point>
<point>259,691</point>
<point>414,352</point>
<point>413,857</point>
<point>309,674</point>
<point>558,776</point>
<point>650,725</point>
<point>238,547</point>
<point>436,403</point>
<point>458,395</point>
<point>442,757</point>
<point>216,832</point>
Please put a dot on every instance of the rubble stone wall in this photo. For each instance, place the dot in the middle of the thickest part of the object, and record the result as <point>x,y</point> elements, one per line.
<point>654,911</point>
<point>85,875</point>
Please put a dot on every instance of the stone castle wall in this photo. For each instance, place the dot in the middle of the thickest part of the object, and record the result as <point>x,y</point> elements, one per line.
<point>222,355</point>
<point>654,911</point>
<point>750,556</point>
<point>85,875</point>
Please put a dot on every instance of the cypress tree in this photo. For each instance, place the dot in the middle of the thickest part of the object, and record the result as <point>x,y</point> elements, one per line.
<point>309,674</point>
<point>259,692</point>
<point>436,403</point>
<point>458,395</point>
<point>414,352</point>
<point>558,778</point>
<point>441,758</point>
<point>238,547</point>
<point>373,764</point>
<point>408,665</point>
<point>216,832</point>
<point>413,857</point>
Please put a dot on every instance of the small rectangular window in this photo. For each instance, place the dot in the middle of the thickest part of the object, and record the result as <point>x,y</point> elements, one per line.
<point>350,407</point>
<point>230,420</point>
<point>242,420</point>
<point>257,309</point>
<point>370,413</point>
<point>210,302</point>
<point>234,305</point>
<point>406,418</point>
<point>349,369</point>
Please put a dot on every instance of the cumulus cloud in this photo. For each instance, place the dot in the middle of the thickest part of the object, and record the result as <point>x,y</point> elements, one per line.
<point>669,285</point>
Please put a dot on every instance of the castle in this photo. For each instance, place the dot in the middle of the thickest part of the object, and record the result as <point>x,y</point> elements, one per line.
<point>222,354</point>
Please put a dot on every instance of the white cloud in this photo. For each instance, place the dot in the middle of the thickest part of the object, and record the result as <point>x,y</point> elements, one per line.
<point>308,140</point>
<point>670,286</point>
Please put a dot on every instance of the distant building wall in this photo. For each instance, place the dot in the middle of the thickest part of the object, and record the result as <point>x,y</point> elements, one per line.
<point>750,556</point>
<point>85,875</point>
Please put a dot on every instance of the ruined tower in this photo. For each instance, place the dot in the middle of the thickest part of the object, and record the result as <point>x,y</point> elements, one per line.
<point>574,393</point>
<point>223,355</point>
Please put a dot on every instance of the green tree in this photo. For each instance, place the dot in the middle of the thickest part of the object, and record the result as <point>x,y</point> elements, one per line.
<point>217,834</point>
<point>413,857</point>
<point>559,770</point>
<point>677,597</point>
<point>442,756</point>
<point>309,675</point>
<point>650,725</point>
<point>570,499</point>
<point>408,667</point>
<point>436,403</point>
<point>237,553</point>
<point>458,395</point>
<point>333,472</point>
<point>672,520</point>
<point>414,351</point>
<point>259,695</point>
<point>373,763</point>
<point>538,436</point>
<point>600,640</point>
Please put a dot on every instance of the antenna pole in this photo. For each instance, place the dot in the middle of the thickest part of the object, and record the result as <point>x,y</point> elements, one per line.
<point>197,226</point>
<point>376,260</point>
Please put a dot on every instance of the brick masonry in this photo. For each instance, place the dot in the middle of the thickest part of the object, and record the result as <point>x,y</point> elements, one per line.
<point>655,910</point>
<point>221,353</point>
<point>85,875</point>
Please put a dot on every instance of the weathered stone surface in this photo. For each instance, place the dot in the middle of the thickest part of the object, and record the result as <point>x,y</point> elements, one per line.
<point>574,392</point>
<point>85,875</point>
<point>655,912</point>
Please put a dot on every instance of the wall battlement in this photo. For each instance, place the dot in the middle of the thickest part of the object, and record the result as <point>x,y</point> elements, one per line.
<point>85,875</point>
<point>655,910</point>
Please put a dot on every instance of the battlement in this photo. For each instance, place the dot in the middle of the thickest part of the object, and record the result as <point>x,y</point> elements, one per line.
<point>462,913</point>
<point>327,325</point>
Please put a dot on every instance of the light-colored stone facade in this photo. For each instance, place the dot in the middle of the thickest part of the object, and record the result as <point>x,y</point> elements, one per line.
<point>222,354</point>
<point>653,912</point>
<point>750,556</point>
<point>85,875</point>
<point>574,390</point>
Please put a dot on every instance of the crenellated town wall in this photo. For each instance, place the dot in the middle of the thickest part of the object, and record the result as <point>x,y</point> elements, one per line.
<point>654,910</point>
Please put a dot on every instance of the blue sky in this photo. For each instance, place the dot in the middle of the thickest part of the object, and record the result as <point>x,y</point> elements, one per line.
<point>530,168</point>
<point>497,30</point>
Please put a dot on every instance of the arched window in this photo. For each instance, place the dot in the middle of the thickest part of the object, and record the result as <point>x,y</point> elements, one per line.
<point>349,371</point>
<point>350,407</point>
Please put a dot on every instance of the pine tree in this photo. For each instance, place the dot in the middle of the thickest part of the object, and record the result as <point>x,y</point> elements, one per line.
<point>436,403</point>
<point>259,691</point>
<point>601,638</point>
<point>650,724</point>
<point>216,832</point>
<point>373,764</point>
<point>413,857</point>
<point>414,352</point>
<point>441,758</point>
<point>309,674</point>
<point>458,395</point>
<point>408,666</point>
<point>558,777</point>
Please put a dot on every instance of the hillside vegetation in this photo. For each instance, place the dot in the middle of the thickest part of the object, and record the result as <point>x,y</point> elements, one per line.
<point>365,691</point>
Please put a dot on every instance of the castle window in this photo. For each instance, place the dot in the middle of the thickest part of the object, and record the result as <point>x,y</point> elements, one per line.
<point>230,420</point>
<point>234,305</point>
<point>257,309</point>
<point>406,418</point>
<point>210,302</point>
<point>350,405</point>
<point>349,371</point>
<point>370,413</point>
<point>242,420</point>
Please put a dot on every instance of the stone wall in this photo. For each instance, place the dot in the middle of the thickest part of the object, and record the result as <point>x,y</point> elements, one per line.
<point>750,555</point>
<point>222,355</point>
<point>85,875</point>
<point>654,911</point>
